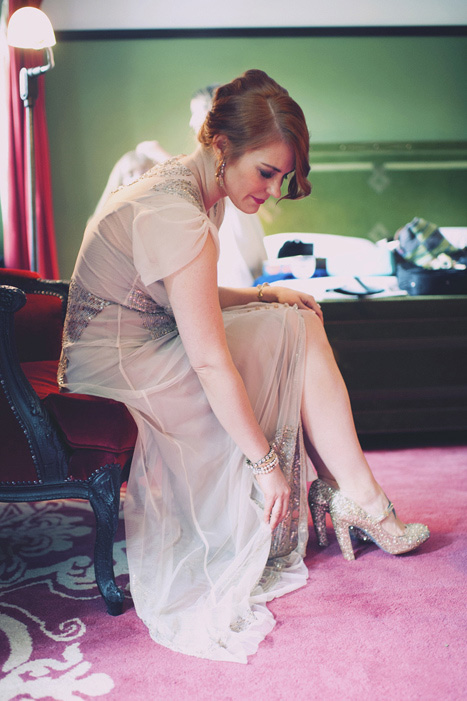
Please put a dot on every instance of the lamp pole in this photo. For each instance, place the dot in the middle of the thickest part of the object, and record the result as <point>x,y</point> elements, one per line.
<point>28,90</point>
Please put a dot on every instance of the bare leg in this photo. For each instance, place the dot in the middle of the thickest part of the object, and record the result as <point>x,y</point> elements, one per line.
<point>330,436</point>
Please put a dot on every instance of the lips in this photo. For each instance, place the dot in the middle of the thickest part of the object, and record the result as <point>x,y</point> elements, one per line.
<point>258,201</point>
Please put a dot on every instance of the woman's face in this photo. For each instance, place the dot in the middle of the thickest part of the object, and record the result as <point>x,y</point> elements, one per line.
<point>257,175</point>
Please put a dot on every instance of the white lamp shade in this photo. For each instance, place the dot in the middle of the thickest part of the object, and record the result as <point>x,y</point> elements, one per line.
<point>30,28</point>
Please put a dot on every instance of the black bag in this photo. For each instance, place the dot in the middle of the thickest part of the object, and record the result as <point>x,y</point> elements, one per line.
<point>427,264</point>
<point>421,281</point>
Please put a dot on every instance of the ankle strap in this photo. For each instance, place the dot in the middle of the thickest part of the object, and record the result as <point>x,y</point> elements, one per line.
<point>386,512</point>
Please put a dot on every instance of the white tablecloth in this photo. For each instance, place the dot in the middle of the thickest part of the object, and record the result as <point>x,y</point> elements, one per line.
<point>323,288</point>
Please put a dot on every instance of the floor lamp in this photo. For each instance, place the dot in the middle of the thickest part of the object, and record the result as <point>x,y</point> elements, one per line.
<point>30,28</point>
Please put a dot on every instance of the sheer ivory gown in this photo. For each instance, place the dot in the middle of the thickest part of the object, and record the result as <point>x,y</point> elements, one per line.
<point>202,561</point>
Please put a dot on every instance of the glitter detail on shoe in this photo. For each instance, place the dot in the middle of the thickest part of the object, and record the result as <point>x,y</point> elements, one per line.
<point>345,513</point>
<point>360,525</point>
<point>319,497</point>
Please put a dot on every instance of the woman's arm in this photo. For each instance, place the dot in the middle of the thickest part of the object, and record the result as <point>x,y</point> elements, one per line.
<point>194,298</point>
<point>231,297</point>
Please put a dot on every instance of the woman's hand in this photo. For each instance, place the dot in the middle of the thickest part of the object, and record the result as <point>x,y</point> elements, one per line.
<point>276,496</point>
<point>284,295</point>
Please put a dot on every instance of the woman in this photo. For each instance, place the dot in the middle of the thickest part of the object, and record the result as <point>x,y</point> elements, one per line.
<point>224,385</point>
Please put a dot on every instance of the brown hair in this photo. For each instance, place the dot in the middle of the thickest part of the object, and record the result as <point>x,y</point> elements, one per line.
<point>252,111</point>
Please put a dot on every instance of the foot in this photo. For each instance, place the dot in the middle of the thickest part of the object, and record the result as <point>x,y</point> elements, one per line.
<point>370,497</point>
<point>375,505</point>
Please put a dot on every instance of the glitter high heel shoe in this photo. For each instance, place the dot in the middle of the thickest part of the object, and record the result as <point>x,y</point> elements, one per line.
<point>346,514</point>
<point>319,496</point>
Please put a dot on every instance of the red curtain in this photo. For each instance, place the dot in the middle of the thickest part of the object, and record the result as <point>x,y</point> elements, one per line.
<point>16,248</point>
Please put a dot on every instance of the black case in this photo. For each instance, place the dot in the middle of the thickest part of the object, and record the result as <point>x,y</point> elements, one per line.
<point>420,281</point>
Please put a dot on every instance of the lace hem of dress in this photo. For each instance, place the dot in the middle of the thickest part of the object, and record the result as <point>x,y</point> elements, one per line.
<point>288,445</point>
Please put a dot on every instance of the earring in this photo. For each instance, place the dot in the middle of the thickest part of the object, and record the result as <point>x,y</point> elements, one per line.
<point>220,174</point>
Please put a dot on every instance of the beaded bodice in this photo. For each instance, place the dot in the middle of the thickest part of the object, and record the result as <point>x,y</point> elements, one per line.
<point>83,307</point>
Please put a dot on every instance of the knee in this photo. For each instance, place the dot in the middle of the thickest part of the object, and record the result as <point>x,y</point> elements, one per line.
<point>315,332</point>
<point>312,322</point>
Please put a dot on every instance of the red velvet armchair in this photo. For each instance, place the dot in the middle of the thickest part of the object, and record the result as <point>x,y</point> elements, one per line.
<point>56,445</point>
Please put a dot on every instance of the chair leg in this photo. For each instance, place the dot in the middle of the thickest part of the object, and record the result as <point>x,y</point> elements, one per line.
<point>104,495</point>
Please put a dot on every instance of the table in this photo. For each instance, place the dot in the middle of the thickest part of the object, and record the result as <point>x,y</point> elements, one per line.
<point>404,361</point>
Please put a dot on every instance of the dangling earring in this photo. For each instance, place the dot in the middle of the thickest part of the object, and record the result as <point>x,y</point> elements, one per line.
<point>220,174</point>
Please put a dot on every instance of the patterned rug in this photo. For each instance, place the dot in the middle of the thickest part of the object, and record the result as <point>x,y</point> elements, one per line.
<point>46,580</point>
<point>378,628</point>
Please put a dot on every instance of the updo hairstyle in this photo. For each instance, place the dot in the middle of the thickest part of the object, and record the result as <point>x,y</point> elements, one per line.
<point>253,111</point>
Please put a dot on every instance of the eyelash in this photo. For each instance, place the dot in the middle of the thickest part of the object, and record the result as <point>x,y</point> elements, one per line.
<point>268,175</point>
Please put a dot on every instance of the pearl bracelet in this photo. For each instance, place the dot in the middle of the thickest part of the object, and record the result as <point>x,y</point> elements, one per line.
<point>266,464</point>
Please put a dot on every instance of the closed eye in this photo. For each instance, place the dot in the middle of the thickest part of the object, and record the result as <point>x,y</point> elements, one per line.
<point>266,174</point>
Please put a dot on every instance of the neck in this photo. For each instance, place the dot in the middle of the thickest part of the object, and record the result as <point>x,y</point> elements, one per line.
<point>202,164</point>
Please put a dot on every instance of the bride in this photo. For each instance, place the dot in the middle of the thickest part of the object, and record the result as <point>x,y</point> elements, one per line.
<point>232,390</point>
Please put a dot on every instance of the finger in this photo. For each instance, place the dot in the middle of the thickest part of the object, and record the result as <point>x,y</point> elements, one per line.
<point>314,306</point>
<point>275,520</point>
<point>282,512</point>
<point>268,506</point>
<point>308,302</point>
<point>285,508</point>
<point>276,514</point>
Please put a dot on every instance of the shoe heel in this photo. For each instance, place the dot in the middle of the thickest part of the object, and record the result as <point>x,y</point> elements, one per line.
<point>318,514</point>
<point>343,538</point>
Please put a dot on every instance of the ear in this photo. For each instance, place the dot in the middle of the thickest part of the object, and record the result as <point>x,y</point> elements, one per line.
<point>220,145</point>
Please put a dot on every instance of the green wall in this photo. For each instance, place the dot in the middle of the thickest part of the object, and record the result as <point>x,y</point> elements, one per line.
<point>105,96</point>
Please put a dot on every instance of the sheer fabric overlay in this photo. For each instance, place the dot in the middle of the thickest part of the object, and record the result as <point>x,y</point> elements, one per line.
<point>203,564</point>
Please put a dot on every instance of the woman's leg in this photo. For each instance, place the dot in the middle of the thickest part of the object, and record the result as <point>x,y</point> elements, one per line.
<point>330,436</point>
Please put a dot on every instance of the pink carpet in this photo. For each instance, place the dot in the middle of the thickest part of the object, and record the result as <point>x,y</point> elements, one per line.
<point>380,628</point>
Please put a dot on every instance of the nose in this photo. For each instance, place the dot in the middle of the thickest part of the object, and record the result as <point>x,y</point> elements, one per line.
<point>274,189</point>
